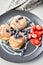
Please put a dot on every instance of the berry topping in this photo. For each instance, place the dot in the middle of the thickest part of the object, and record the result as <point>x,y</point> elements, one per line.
<point>7,30</point>
<point>20,18</point>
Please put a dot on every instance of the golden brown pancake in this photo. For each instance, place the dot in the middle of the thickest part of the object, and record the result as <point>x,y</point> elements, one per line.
<point>17,43</point>
<point>4,32</point>
<point>18,22</point>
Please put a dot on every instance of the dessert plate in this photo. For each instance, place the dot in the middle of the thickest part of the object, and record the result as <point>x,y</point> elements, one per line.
<point>31,51</point>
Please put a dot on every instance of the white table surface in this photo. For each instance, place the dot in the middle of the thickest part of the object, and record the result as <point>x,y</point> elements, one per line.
<point>4,4</point>
<point>37,61</point>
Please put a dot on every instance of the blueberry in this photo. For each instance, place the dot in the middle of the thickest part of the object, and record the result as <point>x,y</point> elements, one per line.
<point>6,42</point>
<point>7,30</point>
<point>25,33</point>
<point>28,31</point>
<point>15,36</point>
<point>17,31</point>
<point>12,33</point>
<point>16,20</point>
<point>11,29</point>
<point>20,18</point>
<point>19,36</point>
<point>23,30</point>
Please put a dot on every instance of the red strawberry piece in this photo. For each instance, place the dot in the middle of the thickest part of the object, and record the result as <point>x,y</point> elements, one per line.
<point>40,38</point>
<point>33,27</point>
<point>38,27</point>
<point>29,36</point>
<point>36,32</point>
<point>34,35</point>
<point>31,30</point>
<point>40,33</point>
<point>36,42</point>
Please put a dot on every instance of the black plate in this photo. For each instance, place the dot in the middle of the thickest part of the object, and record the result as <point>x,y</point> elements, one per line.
<point>31,51</point>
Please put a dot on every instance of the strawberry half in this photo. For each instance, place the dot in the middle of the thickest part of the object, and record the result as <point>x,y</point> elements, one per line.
<point>35,42</point>
<point>32,29</point>
<point>38,27</point>
<point>34,35</point>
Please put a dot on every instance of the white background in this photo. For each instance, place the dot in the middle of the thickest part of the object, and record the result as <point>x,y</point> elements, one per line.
<point>39,12</point>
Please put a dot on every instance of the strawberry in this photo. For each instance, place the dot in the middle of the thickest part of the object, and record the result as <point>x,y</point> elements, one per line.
<point>34,35</point>
<point>36,42</point>
<point>36,32</point>
<point>40,38</point>
<point>38,27</point>
<point>32,29</point>
<point>40,33</point>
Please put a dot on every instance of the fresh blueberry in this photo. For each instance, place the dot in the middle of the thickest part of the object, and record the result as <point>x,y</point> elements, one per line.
<point>15,36</point>
<point>16,20</point>
<point>7,30</point>
<point>17,31</point>
<point>19,36</point>
<point>23,30</point>
<point>12,33</point>
<point>25,33</point>
<point>11,29</point>
<point>28,31</point>
<point>20,18</point>
<point>6,42</point>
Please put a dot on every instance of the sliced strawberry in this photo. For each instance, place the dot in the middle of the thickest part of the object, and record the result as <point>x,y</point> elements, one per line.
<point>31,30</point>
<point>36,32</point>
<point>33,27</point>
<point>40,38</point>
<point>34,35</point>
<point>40,33</point>
<point>29,36</point>
<point>38,27</point>
<point>36,42</point>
